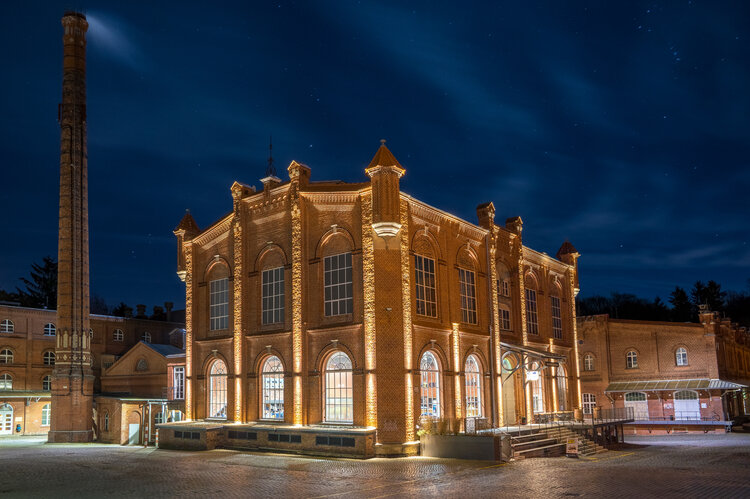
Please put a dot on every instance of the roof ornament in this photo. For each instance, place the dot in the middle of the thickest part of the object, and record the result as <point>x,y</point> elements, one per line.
<point>270,169</point>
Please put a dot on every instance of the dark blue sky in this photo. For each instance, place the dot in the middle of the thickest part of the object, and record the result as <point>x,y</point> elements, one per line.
<point>622,126</point>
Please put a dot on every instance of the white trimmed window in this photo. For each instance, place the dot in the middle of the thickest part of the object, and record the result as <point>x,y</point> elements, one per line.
<point>46,415</point>
<point>217,390</point>
<point>147,337</point>
<point>556,317</point>
<point>562,388</point>
<point>47,383</point>
<point>219,309</point>
<point>49,358</point>
<point>117,335</point>
<point>7,326</point>
<point>532,322</point>
<point>588,362</point>
<point>273,295</point>
<point>430,385</point>
<point>49,329</point>
<point>468,296</point>
<point>178,383</point>
<point>631,359</point>
<point>681,356</point>
<point>473,387</point>
<point>589,402</point>
<point>537,394</point>
<point>6,356</point>
<point>505,319</point>
<point>339,389</point>
<point>424,284</point>
<point>6,382</point>
<point>272,384</point>
<point>338,284</point>
<point>158,418</point>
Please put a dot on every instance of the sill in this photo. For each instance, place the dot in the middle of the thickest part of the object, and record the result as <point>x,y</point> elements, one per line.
<point>337,423</point>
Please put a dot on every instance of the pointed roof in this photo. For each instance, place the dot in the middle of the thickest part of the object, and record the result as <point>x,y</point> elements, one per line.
<point>567,248</point>
<point>187,224</point>
<point>384,157</point>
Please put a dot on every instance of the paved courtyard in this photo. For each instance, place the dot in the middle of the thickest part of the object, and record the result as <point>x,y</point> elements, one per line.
<point>670,466</point>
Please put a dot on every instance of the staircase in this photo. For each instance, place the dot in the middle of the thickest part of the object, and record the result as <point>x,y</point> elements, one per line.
<point>550,443</point>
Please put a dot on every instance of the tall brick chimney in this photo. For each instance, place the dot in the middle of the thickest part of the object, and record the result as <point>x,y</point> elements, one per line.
<point>72,380</point>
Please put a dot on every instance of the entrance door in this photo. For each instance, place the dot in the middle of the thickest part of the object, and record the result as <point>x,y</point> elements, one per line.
<point>686,405</point>
<point>6,419</point>
<point>639,403</point>
<point>509,400</point>
<point>134,434</point>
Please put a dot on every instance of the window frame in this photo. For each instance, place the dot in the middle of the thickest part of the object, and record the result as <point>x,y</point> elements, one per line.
<point>7,356</point>
<point>556,312</point>
<point>47,380</point>
<point>425,286</point>
<point>338,368</point>
<point>343,306</point>
<point>46,414</point>
<point>473,387</point>
<point>218,374</point>
<point>272,373</point>
<point>430,386</point>
<point>118,335</point>
<point>218,304</point>
<point>505,322</point>
<point>586,358</point>
<point>272,296</point>
<point>631,359</point>
<point>468,295</point>
<point>6,381</point>
<point>681,357</point>
<point>48,358</point>
<point>588,402</point>
<point>49,329</point>
<point>7,326</point>
<point>532,317</point>
<point>178,383</point>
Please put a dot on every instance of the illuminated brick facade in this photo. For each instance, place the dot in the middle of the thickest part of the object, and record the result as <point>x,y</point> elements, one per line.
<point>450,306</point>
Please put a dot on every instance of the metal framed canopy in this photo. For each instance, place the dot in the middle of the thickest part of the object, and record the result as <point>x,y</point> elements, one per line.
<point>672,384</point>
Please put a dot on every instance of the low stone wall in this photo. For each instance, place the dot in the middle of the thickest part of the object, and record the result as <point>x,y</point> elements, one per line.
<point>663,428</point>
<point>480,447</point>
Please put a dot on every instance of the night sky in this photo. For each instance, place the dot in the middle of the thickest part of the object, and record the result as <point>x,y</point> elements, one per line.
<point>622,126</point>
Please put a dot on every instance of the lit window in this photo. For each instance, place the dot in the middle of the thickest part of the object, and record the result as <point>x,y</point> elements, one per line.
<point>589,402</point>
<point>537,394</point>
<point>7,326</point>
<point>45,415</point>
<point>272,381</point>
<point>473,387</point>
<point>338,284</point>
<point>424,286</point>
<point>178,383</point>
<point>49,358</point>
<point>6,356</point>
<point>217,390</point>
<point>273,296</point>
<point>588,362</point>
<point>532,323</point>
<point>430,385</point>
<point>556,317</point>
<point>6,382</point>
<point>339,391</point>
<point>49,329</point>
<point>562,388</point>
<point>146,337</point>
<point>117,335</point>
<point>631,359</point>
<point>681,356</point>
<point>47,383</point>
<point>505,319</point>
<point>468,296</point>
<point>219,304</point>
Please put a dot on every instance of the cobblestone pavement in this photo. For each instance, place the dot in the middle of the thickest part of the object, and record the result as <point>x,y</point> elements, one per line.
<point>675,465</point>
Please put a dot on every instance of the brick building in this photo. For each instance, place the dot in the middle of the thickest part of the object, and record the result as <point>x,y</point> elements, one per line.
<point>671,374</point>
<point>27,359</point>
<point>355,306</point>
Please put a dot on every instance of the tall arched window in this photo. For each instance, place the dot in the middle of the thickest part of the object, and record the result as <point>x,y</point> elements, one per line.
<point>562,389</point>
<point>339,390</point>
<point>6,356</point>
<point>430,385</point>
<point>588,362</point>
<point>47,383</point>
<point>49,358</point>
<point>631,359</point>
<point>49,329</point>
<point>7,326</point>
<point>45,415</point>
<point>272,386</point>
<point>473,387</point>
<point>537,394</point>
<point>217,390</point>
<point>681,357</point>
<point>6,382</point>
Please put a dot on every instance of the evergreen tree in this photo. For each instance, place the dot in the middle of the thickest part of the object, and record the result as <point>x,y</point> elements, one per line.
<point>682,309</point>
<point>708,294</point>
<point>97,305</point>
<point>122,310</point>
<point>41,289</point>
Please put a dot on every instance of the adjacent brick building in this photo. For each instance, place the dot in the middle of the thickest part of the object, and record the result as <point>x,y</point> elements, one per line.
<point>359,306</point>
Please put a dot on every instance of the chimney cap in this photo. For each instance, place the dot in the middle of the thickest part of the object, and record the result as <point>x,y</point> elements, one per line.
<point>75,14</point>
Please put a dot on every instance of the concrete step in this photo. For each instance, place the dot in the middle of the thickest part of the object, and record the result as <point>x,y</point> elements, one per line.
<point>528,438</point>
<point>546,451</point>
<point>533,444</point>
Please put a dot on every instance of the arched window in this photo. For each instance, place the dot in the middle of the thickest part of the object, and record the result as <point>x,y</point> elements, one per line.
<point>430,385</point>
<point>47,383</point>
<point>339,390</point>
<point>147,337</point>
<point>537,394</point>
<point>117,335</point>
<point>49,358</point>
<point>681,357</point>
<point>141,365</point>
<point>562,389</point>
<point>588,362</point>
<point>631,359</point>
<point>217,390</point>
<point>473,387</point>
<point>272,386</point>
<point>45,415</point>
<point>49,329</point>
<point>6,382</point>
<point>106,421</point>
<point>7,326</point>
<point>6,356</point>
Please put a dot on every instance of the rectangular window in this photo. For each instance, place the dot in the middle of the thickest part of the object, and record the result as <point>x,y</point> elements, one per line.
<point>273,296</point>
<point>178,383</point>
<point>505,319</point>
<point>556,317</point>
<point>504,287</point>
<point>532,323</point>
<point>468,296</point>
<point>589,402</point>
<point>424,284</point>
<point>219,304</point>
<point>338,284</point>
